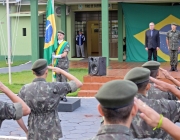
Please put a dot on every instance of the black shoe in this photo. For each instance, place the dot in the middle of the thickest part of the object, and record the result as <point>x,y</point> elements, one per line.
<point>172,69</point>
<point>64,99</point>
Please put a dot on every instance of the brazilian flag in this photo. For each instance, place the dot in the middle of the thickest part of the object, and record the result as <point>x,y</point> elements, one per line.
<point>137,18</point>
<point>50,44</point>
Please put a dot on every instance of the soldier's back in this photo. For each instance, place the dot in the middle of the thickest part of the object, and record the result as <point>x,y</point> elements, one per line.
<point>43,99</point>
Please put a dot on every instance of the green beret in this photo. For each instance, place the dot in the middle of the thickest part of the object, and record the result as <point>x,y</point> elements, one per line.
<point>151,65</point>
<point>39,65</point>
<point>116,94</point>
<point>138,75</point>
<point>61,32</point>
<point>174,24</point>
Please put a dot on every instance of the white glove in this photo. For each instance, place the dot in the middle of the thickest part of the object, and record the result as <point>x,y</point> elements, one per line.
<point>56,56</point>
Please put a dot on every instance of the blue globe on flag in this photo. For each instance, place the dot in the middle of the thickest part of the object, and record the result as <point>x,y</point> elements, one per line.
<point>49,31</point>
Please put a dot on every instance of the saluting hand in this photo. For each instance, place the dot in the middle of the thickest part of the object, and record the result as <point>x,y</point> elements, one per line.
<point>55,69</point>
<point>166,73</point>
<point>160,84</point>
<point>150,116</point>
<point>2,87</point>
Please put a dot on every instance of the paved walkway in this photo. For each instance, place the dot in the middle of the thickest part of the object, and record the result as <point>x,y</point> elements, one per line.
<point>81,124</point>
<point>23,67</point>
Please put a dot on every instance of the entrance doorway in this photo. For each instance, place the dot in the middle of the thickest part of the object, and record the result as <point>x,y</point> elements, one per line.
<point>90,23</point>
<point>93,38</point>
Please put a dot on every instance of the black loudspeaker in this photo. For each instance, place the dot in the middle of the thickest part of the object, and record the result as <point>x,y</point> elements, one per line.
<point>97,66</point>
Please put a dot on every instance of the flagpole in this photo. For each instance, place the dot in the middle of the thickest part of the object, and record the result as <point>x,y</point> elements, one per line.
<point>8,37</point>
<point>52,71</point>
<point>52,54</point>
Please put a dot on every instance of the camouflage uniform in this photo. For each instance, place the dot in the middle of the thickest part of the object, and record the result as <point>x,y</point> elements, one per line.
<point>173,38</point>
<point>168,108</point>
<point>10,111</point>
<point>43,98</point>
<point>63,63</point>
<point>115,132</point>
<point>155,93</point>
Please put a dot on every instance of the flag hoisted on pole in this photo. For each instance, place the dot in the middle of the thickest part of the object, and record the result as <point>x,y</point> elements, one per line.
<point>50,44</point>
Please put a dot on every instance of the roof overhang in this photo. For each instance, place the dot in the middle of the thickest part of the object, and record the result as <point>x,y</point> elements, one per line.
<point>72,2</point>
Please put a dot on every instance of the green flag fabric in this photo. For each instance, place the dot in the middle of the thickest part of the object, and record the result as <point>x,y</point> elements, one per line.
<point>50,44</point>
<point>137,18</point>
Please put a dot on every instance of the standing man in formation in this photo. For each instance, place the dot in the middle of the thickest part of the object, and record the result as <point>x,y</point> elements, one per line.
<point>172,40</point>
<point>43,98</point>
<point>152,42</point>
<point>61,58</point>
<point>80,39</point>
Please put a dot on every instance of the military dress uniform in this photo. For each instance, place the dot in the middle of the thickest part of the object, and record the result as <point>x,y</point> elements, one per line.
<point>168,108</point>
<point>114,95</point>
<point>153,92</point>
<point>10,111</point>
<point>43,98</point>
<point>173,38</point>
<point>63,63</point>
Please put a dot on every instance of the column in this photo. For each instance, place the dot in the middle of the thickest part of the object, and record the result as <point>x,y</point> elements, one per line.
<point>120,33</point>
<point>34,30</point>
<point>105,29</point>
<point>63,20</point>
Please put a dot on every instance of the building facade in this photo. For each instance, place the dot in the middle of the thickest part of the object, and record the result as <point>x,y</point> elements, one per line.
<point>101,21</point>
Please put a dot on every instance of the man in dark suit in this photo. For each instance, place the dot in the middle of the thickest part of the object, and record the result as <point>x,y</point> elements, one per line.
<point>152,42</point>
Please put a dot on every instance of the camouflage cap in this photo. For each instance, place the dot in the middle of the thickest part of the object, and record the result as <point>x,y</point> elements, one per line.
<point>61,32</point>
<point>138,75</point>
<point>173,23</point>
<point>116,94</point>
<point>151,65</point>
<point>39,65</point>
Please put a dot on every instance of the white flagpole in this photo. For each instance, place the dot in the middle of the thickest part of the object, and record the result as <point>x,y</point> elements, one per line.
<point>8,37</point>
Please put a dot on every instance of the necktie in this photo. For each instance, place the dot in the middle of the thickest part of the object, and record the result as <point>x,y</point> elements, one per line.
<point>151,32</point>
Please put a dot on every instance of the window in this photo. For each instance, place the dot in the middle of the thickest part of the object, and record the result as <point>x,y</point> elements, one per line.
<point>24,31</point>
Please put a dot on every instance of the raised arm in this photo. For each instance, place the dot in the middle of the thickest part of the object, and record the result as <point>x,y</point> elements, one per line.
<point>166,87</point>
<point>15,99</point>
<point>168,76</point>
<point>152,118</point>
<point>67,75</point>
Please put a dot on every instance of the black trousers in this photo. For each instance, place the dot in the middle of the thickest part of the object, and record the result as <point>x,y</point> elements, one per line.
<point>152,52</point>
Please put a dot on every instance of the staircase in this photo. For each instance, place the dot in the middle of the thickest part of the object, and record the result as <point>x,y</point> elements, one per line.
<point>91,84</point>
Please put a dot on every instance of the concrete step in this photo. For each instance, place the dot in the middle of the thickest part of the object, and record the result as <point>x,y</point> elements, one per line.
<point>87,93</point>
<point>99,79</point>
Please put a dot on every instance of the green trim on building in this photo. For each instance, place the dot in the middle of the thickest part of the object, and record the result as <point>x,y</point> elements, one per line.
<point>120,33</point>
<point>105,30</point>
<point>63,20</point>
<point>34,30</point>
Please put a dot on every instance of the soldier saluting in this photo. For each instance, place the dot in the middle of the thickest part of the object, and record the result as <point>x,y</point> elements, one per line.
<point>172,40</point>
<point>43,99</point>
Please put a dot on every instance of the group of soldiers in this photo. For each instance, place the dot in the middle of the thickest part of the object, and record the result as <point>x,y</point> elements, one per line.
<point>157,102</point>
<point>130,107</point>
